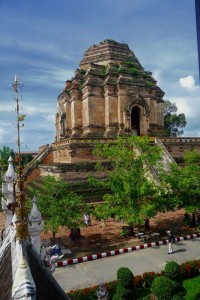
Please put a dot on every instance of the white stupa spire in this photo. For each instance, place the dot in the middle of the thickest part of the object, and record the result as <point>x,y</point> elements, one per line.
<point>10,173</point>
<point>36,225</point>
<point>7,192</point>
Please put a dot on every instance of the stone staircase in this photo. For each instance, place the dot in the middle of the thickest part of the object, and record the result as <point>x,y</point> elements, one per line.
<point>36,160</point>
<point>166,159</point>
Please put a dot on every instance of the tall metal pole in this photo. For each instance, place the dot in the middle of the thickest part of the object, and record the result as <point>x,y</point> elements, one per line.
<point>15,87</point>
<point>20,207</point>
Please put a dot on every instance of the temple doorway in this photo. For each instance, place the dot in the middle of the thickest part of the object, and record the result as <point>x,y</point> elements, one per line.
<point>135,120</point>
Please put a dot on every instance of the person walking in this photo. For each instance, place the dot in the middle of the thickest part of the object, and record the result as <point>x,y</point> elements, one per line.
<point>171,239</point>
<point>87,219</point>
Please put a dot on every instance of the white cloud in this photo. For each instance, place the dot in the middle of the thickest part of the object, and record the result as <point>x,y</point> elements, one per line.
<point>37,109</point>
<point>2,133</point>
<point>187,102</point>
<point>7,107</point>
<point>29,108</point>
<point>183,105</point>
<point>50,118</point>
<point>8,133</point>
<point>188,82</point>
<point>157,75</point>
<point>49,76</point>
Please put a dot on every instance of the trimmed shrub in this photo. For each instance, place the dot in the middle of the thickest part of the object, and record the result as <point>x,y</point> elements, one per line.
<point>190,269</point>
<point>124,277</point>
<point>125,288</point>
<point>123,293</point>
<point>172,270</point>
<point>147,278</point>
<point>163,288</point>
<point>138,281</point>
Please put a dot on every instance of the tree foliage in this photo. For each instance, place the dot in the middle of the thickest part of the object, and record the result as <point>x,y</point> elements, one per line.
<point>185,182</point>
<point>58,206</point>
<point>26,158</point>
<point>173,122</point>
<point>133,187</point>
<point>5,153</point>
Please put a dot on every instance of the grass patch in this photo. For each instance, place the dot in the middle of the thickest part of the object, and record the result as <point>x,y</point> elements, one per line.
<point>192,287</point>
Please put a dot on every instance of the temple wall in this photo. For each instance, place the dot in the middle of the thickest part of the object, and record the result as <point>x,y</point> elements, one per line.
<point>33,174</point>
<point>68,127</point>
<point>111,112</point>
<point>76,175</point>
<point>76,114</point>
<point>179,145</point>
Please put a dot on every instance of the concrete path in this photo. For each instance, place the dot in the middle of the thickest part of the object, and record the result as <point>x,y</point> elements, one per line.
<point>91,273</point>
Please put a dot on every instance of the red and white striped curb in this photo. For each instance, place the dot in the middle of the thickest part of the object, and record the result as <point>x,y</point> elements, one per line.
<point>121,251</point>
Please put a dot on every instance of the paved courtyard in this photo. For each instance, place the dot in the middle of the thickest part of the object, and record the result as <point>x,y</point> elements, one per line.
<point>91,273</point>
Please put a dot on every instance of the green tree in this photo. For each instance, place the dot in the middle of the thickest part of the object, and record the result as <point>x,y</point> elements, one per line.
<point>133,187</point>
<point>184,182</point>
<point>58,206</point>
<point>25,159</point>
<point>173,122</point>
<point>5,153</point>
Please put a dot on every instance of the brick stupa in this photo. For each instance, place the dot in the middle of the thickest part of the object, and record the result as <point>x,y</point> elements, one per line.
<point>109,95</point>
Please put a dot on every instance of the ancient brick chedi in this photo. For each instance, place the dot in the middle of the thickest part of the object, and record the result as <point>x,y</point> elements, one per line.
<point>109,95</point>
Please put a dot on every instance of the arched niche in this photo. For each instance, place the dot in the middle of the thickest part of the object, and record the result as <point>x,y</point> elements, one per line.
<point>135,119</point>
<point>136,112</point>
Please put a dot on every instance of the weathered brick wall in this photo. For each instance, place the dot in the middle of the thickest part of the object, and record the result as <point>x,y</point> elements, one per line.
<point>69,159</point>
<point>77,172</point>
<point>179,145</point>
<point>48,158</point>
<point>32,175</point>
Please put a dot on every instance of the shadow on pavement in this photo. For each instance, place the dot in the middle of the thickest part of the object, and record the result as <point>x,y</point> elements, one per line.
<point>179,250</point>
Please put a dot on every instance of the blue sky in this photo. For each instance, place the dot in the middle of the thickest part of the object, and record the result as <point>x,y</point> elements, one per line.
<point>43,42</point>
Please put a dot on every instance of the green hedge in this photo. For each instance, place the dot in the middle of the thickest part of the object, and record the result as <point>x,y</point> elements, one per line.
<point>163,288</point>
<point>190,269</point>
<point>124,277</point>
<point>172,270</point>
<point>187,270</point>
<point>125,287</point>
